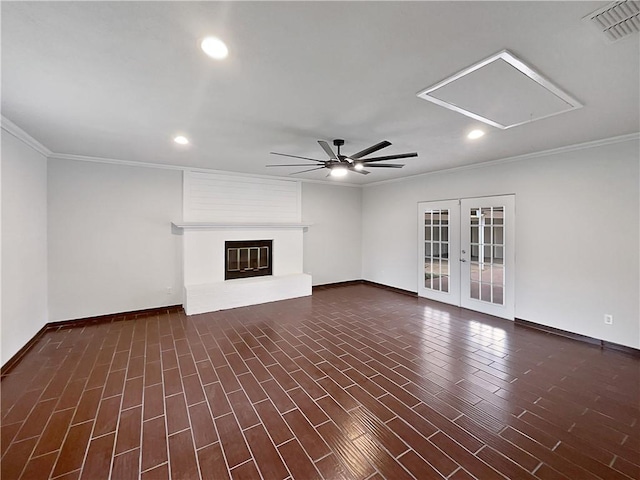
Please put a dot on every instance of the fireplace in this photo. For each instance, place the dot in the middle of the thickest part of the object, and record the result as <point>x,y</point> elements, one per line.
<point>247,258</point>
<point>206,255</point>
<point>217,213</point>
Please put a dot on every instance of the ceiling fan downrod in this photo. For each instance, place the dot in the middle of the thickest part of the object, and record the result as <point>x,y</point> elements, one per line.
<point>338,142</point>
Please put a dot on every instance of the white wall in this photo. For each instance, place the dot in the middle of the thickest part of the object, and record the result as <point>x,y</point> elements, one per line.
<point>24,244</point>
<point>577,234</point>
<point>225,198</point>
<point>111,248</point>
<point>333,241</point>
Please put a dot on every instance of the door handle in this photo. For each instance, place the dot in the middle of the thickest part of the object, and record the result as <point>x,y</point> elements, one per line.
<point>462,260</point>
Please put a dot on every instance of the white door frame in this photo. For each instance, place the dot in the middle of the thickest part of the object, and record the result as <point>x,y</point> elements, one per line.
<point>460,264</point>
<point>452,296</point>
<point>506,309</point>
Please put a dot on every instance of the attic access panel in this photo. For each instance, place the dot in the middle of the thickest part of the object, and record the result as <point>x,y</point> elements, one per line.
<point>501,91</point>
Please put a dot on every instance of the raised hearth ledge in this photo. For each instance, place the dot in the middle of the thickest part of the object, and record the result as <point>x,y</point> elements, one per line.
<point>231,226</point>
<point>242,292</point>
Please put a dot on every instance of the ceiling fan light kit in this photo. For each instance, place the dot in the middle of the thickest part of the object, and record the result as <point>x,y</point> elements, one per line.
<point>338,171</point>
<point>339,165</point>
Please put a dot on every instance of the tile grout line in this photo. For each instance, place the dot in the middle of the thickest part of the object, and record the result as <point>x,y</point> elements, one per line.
<point>210,410</point>
<point>104,386</point>
<point>124,384</point>
<point>279,346</point>
<point>164,398</point>
<point>22,424</point>
<point>71,424</point>
<point>232,412</point>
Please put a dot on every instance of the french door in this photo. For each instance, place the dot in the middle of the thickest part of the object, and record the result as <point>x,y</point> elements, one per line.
<point>466,252</point>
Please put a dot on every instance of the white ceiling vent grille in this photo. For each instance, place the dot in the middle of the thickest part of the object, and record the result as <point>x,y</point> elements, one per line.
<point>616,20</point>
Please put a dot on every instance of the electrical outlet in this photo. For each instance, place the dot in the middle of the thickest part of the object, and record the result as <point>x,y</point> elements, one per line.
<point>169,290</point>
<point>608,319</point>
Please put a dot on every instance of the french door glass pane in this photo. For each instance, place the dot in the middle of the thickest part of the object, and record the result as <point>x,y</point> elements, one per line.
<point>436,250</point>
<point>444,279</point>
<point>475,290</point>
<point>487,254</point>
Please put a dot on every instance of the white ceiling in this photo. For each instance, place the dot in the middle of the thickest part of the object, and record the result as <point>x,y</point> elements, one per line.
<point>118,80</point>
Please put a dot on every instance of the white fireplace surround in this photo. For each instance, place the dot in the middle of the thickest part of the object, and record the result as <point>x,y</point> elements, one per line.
<point>220,207</point>
<point>206,290</point>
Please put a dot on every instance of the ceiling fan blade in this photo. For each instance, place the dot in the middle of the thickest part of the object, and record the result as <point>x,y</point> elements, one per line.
<point>294,165</point>
<point>363,172</point>
<point>325,146</point>
<point>370,150</point>
<point>385,165</point>
<point>304,171</point>
<point>295,156</point>
<point>388,157</point>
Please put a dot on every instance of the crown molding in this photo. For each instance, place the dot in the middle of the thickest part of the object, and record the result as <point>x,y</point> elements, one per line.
<point>10,127</point>
<point>19,133</point>
<point>131,163</point>
<point>518,158</point>
<point>116,161</point>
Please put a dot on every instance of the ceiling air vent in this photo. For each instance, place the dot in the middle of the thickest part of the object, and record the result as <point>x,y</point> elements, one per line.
<point>616,20</point>
<point>501,91</point>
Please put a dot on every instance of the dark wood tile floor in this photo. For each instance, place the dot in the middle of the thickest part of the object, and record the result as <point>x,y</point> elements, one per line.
<point>353,383</point>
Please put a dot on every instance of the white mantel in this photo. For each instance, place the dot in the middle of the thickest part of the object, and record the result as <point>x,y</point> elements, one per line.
<point>237,226</point>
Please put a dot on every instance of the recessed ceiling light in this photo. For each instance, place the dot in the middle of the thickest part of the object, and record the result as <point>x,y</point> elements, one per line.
<point>181,140</point>
<point>338,172</point>
<point>473,134</point>
<point>215,48</point>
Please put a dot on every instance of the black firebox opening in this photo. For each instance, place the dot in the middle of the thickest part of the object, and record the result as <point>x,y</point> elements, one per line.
<point>247,258</point>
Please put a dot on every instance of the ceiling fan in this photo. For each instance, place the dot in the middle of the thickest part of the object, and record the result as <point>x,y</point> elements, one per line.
<point>339,164</point>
